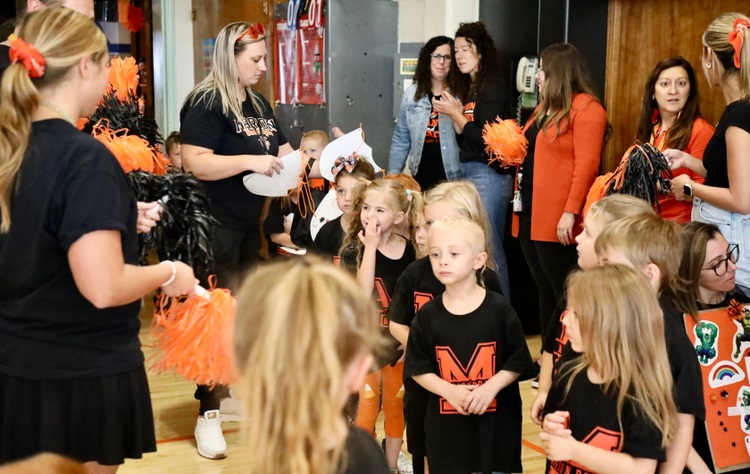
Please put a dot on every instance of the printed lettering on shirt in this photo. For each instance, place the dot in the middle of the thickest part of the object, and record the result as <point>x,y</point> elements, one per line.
<point>599,437</point>
<point>480,368</point>
<point>420,299</point>
<point>469,111</point>
<point>562,341</point>
<point>259,127</point>
<point>433,128</point>
<point>384,299</point>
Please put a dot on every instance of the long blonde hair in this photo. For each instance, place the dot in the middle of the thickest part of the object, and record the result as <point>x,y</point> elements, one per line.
<point>463,196</point>
<point>63,37</point>
<point>622,325</point>
<point>716,37</point>
<point>224,76</point>
<point>300,324</point>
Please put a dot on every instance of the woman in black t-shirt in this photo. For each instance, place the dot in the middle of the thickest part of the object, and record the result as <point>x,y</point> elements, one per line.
<point>228,131</point>
<point>72,379</point>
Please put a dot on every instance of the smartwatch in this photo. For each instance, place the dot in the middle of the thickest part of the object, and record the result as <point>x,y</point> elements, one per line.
<point>687,188</point>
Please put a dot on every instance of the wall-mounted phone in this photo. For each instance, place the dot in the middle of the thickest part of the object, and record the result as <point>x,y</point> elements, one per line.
<point>526,84</point>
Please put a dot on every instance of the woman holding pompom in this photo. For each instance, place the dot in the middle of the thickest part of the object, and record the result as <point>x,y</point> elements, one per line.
<point>565,138</point>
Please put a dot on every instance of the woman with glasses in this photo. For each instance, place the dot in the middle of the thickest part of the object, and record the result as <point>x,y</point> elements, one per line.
<point>566,133</point>
<point>421,133</point>
<point>724,197</point>
<point>229,131</point>
<point>709,267</point>
<point>480,98</point>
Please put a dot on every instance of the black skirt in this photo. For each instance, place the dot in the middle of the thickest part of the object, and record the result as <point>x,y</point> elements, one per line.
<point>103,419</point>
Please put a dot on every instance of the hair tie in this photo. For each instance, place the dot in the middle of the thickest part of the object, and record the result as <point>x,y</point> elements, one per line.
<point>32,59</point>
<point>342,163</point>
<point>736,38</point>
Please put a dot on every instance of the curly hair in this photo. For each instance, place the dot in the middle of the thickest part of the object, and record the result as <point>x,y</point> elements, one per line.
<point>475,33</point>
<point>423,73</point>
<point>679,133</point>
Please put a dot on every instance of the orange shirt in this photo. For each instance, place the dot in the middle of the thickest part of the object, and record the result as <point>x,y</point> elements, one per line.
<point>671,209</point>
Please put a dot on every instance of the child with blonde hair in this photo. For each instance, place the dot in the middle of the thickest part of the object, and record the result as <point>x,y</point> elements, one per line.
<point>325,335</point>
<point>379,255</point>
<point>653,246</point>
<point>312,144</point>
<point>611,408</point>
<point>600,215</point>
<point>418,285</point>
<point>467,348</point>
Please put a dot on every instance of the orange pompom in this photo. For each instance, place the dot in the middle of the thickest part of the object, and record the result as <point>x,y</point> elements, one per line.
<point>505,142</point>
<point>131,151</point>
<point>123,78</point>
<point>194,337</point>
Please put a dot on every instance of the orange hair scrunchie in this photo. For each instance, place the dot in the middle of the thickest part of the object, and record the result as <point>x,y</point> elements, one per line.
<point>31,58</point>
<point>737,37</point>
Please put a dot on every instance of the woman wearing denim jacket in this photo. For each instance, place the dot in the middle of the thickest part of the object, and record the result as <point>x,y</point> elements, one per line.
<point>420,131</point>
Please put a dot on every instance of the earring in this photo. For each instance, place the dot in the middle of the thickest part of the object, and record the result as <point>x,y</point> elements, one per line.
<point>708,65</point>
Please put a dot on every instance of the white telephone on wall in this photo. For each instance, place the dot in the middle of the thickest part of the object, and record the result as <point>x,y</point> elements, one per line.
<point>526,75</point>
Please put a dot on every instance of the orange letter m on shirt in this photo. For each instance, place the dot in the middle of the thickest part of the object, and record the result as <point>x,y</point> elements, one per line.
<point>481,368</point>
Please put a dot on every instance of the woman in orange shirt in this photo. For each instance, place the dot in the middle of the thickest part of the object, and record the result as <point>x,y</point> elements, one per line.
<point>671,118</point>
<point>566,134</point>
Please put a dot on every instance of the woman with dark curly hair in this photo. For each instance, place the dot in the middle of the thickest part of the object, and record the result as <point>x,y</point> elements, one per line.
<point>671,118</point>
<point>480,98</point>
<point>421,132</point>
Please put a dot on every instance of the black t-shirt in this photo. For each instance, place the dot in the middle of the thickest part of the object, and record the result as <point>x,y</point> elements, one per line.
<point>468,350</point>
<point>363,455</point>
<point>387,272</point>
<point>737,114</point>
<point>593,420</point>
<point>490,103</point>
<point>4,58</point>
<point>274,223</point>
<point>204,124</point>
<point>329,239</point>
<point>417,285</point>
<point>431,170</point>
<point>69,185</point>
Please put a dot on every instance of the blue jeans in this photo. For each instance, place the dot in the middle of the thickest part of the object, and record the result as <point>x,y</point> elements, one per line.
<point>495,191</point>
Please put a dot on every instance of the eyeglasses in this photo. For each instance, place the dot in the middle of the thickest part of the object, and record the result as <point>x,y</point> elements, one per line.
<point>720,267</point>
<point>254,31</point>
<point>439,58</point>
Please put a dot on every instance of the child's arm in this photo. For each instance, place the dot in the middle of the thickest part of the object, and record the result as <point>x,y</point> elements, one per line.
<point>370,238</point>
<point>283,239</point>
<point>399,331</point>
<point>456,395</point>
<point>561,446</point>
<point>481,397</point>
<point>545,383</point>
<point>679,449</point>
<point>695,463</point>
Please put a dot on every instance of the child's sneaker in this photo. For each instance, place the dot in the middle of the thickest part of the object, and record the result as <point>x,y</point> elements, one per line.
<point>404,465</point>
<point>208,436</point>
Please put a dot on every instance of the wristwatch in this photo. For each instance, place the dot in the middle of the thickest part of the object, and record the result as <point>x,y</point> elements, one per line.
<point>687,188</point>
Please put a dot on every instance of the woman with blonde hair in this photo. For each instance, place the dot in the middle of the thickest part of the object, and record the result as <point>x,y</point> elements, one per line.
<point>724,197</point>
<point>300,359</point>
<point>611,409</point>
<point>228,131</point>
<point>71,368</point>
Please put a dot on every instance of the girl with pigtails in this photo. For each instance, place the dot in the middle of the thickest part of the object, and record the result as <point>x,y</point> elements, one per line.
<point>72,379</point>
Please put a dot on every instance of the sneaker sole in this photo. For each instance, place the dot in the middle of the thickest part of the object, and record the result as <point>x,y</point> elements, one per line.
<point>214,456</point>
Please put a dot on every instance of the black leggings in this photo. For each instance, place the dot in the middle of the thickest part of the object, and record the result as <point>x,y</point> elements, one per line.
<point>549,264</point>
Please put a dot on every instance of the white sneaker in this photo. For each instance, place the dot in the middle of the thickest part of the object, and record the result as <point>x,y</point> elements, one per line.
<point>209,437</point>
<point>404,465</point>
<point>230,409</point>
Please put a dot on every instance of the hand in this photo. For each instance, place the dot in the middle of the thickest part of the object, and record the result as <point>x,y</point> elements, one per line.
<point>537,408</point>
<point>448,105</point>
<point>370,236</point>
<point>565,228</point>
<point>149,213</point>
<point>558,447</point>
<point>337,132</point>
<point>678,187</point>
<point>556,423</point>
<point>266,164</point>
<point>457,395</point>
<point>184,281</point>
<point>676,158</point>
<point>480,398</point>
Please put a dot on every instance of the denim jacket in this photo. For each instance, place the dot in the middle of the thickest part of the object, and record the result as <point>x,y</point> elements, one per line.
<point>408,137</point>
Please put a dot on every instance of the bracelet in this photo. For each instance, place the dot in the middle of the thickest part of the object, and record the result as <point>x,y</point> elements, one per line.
<point>174,272</point>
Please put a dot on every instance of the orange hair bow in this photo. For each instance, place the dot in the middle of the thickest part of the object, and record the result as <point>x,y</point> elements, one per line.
<point>736,37</point>
<point>32,59</point>
<point>254,31</point>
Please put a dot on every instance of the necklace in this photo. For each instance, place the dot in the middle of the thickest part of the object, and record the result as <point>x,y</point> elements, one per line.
<point>57,109</point>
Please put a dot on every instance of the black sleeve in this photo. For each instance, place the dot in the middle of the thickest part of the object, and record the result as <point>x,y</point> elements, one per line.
<point>202,123</point>
<point>491,103</point>
<point>517,357</point>
<point>274,223</point>
<point>95,197</point>
<point>686,371</point>
<point>401,309</point>
<point>551,334</point>
<point>418,361</point>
